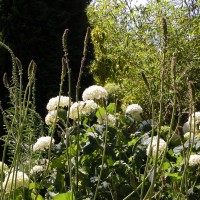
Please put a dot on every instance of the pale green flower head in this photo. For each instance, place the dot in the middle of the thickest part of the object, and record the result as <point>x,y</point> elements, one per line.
<point>112,88</point>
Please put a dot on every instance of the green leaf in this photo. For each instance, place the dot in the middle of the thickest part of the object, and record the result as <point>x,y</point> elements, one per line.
<point>59,162</point>
<point>166,165</point>
<point>111,108</point>
<point>32,186</point>
<point>101,112</point>
<point>59,183</point>
<point>64,196</point>
<point>176,176</point>
<point>33,196</point>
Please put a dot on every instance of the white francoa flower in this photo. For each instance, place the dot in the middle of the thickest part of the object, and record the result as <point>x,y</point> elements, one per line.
<point>151,149</point>
<point>51,117</point>
<point>134,110</point>
<point>194,160</point>
<point>94,92</point>
<point>82,108</point>
<point>36,169</point>
<point>19,178</point>
<point>53,102</point>
<point>42,143</point>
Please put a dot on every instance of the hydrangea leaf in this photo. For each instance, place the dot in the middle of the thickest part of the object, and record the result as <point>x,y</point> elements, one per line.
<point>111,108</point>
<point>64,196</point>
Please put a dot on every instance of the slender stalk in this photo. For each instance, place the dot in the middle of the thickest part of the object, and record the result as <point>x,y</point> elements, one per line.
<point>152,133</point>
<point>77,98</point>
<point>103,157</point>
<point>184,180</point>
<point>65,62</point>
<point>162,75</point>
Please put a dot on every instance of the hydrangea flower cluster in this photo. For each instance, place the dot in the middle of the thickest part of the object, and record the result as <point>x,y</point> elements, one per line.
<point>82,108</point>
<point>36,169</point>
<point>42,143</point>
<point>194,160</point>
<point>193,121</point>
<point>53,103</point>
<point>51,117</point>
<point>151,149</point>
<point>188,135</point>
<point>134,110</point>
<point>111,119</point>
<point>94,92</point>
<point>52,107</point>
<point>21,179</point>
<point>195,118</point>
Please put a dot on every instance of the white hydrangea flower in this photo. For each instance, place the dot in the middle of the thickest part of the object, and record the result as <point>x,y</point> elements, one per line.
<point>53,102</point>
<point>111,119</point>
<point>134,110</point>
<point>43,143</point>
<point>186,127</point>
<point>94,92</point>
<point>22,180</point>
<point>51,117</point>
<point>88,107</point>
<point>83,107</point>
<point>151,149</point>
<point>194,160</point>
<point>187,135</point>
<point>44,161</point>
<point>36,169</point>
<point>195,118</point>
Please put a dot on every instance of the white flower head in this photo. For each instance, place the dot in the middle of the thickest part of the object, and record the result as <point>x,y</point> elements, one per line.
<point>88,107</point>
<point>94,92</point>
<point>186,127</point>
<point>194,160</point>
<point>151,149</point>
<point>20,178</point>
<point>36,169</point>
<point>195,118</point>
<point>188,135</point>
<point>111,119</point>
<point>82,108</point>
<point>51,117</point>
<point>53,102</point>
<point>43,143</point>
<point>134,110</point>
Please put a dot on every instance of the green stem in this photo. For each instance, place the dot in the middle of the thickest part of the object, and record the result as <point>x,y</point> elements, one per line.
<point>103,158</point>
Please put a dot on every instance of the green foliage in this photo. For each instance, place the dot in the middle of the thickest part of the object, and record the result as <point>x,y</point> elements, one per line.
<point>131,39</point>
